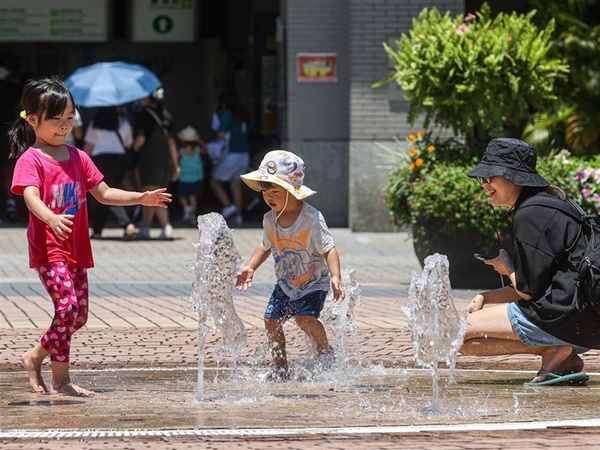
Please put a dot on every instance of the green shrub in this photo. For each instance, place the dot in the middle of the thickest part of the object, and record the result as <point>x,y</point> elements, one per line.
<point>480,76</point>
<point>428,183</point>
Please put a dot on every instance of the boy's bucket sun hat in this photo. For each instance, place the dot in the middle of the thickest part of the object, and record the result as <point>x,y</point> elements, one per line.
<point>282,168</point>
<point>188,134</point>
<point>511,159</point>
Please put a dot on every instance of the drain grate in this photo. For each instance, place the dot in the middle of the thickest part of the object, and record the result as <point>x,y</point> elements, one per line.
<point>61,434</point>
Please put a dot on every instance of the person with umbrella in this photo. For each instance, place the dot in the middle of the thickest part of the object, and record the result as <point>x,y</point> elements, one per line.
<point>111,84</point>
<point>118,83</point>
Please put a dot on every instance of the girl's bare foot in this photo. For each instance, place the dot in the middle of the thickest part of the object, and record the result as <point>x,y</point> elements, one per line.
<point>32,361</point>
<point>72,390</point>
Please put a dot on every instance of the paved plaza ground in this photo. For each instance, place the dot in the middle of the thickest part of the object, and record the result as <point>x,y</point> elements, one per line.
<point>139,351</point>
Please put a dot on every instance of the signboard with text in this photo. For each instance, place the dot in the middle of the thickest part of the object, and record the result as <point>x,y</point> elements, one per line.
<point>57,20</point>
<point>163,20</point>
<point>316,68</point>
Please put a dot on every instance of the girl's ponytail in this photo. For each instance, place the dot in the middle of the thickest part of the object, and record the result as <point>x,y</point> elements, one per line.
<point>17,137</point>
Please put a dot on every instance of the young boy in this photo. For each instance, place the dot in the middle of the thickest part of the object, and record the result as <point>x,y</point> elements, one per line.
<point>305,258</point>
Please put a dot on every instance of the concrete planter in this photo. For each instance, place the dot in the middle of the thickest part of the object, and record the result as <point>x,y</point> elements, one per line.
<point>466,272</point>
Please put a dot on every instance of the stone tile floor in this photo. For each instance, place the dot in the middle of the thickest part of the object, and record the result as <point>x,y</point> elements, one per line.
<point>140,351</point>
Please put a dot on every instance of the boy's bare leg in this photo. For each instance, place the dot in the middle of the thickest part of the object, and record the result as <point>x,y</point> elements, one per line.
<point>32,361</point>
<point>277,342</point>
<point>315,331</point>
<point>61,382</point>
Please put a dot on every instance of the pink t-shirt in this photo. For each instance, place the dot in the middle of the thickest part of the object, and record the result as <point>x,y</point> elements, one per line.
<point>63,186</point>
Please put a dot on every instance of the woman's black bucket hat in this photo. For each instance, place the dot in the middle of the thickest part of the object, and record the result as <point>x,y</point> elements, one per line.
<point>511,159</point>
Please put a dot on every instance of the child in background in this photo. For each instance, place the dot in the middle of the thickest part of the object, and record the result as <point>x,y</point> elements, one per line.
<point>190,181</point>
<point>305,257</point>
<point>54,178</point>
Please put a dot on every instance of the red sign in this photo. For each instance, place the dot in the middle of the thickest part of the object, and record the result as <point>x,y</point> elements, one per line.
<point>316,67</point>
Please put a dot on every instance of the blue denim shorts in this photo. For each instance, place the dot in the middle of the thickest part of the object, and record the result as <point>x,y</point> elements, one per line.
<point>281,307</point>
<point>531,334</point>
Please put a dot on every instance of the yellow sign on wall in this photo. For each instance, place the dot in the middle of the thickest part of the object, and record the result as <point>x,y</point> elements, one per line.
<point>316,68</point>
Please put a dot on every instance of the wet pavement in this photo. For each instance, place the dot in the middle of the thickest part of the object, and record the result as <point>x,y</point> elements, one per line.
<point>139,352</point>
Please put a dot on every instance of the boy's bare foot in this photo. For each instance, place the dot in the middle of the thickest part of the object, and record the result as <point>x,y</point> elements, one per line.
<point>72,390</point>
<point>33,365</point>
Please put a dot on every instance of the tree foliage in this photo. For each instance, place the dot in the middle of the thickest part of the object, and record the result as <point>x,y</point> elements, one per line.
<point>478,75</point>
<point>572,121</point>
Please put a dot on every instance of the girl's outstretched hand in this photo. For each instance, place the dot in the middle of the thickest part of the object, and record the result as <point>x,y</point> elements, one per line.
<point>159,197</point>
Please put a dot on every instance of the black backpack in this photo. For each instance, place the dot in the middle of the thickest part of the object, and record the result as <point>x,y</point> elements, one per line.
<point>588,281</point>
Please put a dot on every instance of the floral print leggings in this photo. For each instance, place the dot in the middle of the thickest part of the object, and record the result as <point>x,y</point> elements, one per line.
<point>68,288</point>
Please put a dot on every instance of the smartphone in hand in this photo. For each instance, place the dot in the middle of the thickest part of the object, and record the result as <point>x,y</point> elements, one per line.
<point>481,257</point>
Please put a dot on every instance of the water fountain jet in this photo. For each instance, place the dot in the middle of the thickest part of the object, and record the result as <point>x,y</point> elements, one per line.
<point>437,329</point>
<point>338,316</point>
<point>217,263</point>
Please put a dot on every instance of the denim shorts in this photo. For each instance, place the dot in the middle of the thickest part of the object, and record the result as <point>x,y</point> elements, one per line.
<point>531,334</point>
<point>281,307</point>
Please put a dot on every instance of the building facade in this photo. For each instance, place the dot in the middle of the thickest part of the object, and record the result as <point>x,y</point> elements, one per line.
<point>304,69</point>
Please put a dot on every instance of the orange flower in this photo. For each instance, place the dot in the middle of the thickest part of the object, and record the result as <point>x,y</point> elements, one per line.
<point>413,152</point>
<point>431,148</point>
<point>411,138</point>
<point>411,166</point>
<point>420,134</point>
<point>419,162</point>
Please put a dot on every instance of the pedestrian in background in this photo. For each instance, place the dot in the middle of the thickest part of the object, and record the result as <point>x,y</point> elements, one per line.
<point>106,140</point>
<point>190,184</point>
<point>10,91</point>
<point>54,178</point>
<point>233,122</point>
<point>158,162</point>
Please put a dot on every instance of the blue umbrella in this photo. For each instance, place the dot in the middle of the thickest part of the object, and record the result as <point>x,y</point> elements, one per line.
<point>111,84</point>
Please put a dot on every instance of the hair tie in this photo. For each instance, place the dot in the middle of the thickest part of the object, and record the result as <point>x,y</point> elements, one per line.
<point>23,115</point>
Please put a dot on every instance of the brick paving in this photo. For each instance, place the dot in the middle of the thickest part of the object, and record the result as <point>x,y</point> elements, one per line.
<point>140,317</point>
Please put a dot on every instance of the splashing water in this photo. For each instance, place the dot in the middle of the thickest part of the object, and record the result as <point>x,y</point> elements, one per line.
<point>436,327</point>
<point>217,262</point>
<point>338,316</point>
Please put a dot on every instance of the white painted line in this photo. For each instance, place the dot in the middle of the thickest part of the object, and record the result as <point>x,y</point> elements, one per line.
<point>195,369</point>
<point>78,434</point>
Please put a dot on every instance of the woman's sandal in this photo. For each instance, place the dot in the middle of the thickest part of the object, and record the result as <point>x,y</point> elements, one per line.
<point>571,379</point>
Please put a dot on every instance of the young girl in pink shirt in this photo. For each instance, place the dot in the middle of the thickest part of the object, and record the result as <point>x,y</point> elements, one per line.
<point>53,178</point>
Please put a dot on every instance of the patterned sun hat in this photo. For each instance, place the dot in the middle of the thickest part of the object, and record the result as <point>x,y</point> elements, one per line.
<point>282,168</point>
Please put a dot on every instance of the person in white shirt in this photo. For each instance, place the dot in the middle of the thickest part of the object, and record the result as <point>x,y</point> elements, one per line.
<point>106,140</point>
